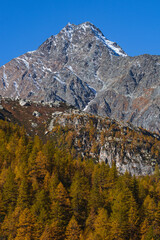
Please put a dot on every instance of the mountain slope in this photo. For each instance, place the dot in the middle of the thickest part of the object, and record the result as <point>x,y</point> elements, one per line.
<point>80,66</point>
<point>87,136</point>
<point>49,193</point>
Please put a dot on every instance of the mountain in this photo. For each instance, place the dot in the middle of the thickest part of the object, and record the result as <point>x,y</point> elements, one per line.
<point>83,68</point>
<point>87,136</point>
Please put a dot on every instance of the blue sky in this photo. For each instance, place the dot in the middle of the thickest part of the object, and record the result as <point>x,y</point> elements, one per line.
<point>133,24</point>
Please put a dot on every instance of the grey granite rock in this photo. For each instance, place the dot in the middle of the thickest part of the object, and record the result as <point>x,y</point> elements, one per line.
<point>83,68</point>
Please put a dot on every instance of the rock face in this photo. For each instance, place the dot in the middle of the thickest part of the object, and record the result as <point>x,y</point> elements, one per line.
<point>102,139</point>
<point>109,141</point>
<point>81,67</point>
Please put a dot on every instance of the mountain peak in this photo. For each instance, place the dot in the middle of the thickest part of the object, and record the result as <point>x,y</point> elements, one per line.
<point>69,25</point>
<point>85,32</point>
<point>89,25</point>
<point>113,46</point>
<point>83,68</point>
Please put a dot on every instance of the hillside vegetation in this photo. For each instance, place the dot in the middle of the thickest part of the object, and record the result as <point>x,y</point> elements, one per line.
<point>103,139</point>
<point>48,191</point>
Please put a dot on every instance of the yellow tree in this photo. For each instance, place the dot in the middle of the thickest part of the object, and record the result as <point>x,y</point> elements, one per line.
<point>102,225</point>
<point>41,206</point>
<point>133,220</point>
<point>60,210</point>
<point>23,194</point>
<point>119,216</point>
<point>73,230</point>
<point>156,222</point>
<point>9,225</point>
<point>79,193</point>
<point>9,193</point>
<point>147,227</point>
<point>39,168</point>
<point>26,223</point>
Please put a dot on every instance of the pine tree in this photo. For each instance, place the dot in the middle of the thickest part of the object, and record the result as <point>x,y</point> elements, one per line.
<point>46,234</point>
<point>48,150</point>
<point>79,193</point>
<point>9,193</point>
<point>147,227</point>
<point>39,168</point>
<point>156,223</point>
<point>9,225</point>
<point>112,175</point>
<point>25,226</point>
<point>133,220</point>
<point>60,209</point>
<point>90,221</point>
<point>101,225</point>
<point>41,206</point>
<point>23,194</point>
<point>53,183</point>
<point>73,230</point>
<point>33,149</point>
<point>2,209</point>
<point>57,230</point>
<point>21,157</point>
<point>135,189</point>
<point>119,216</point>
<point>99,186</point>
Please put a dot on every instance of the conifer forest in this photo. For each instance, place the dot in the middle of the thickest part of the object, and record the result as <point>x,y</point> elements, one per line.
<point>50,192</point>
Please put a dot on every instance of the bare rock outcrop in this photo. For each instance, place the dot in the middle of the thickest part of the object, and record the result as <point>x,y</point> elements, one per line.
<point>83,68</point>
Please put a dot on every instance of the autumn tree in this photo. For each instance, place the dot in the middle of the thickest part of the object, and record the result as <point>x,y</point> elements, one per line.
<point>25,226</point>
<point>120,214</point>
<point>79,192</point>
<point>73,230</point>
<point>9,192</point>
<point>60,210</point>
<point>23,194</point>
<point>102,225</point>
<point>40,208</point>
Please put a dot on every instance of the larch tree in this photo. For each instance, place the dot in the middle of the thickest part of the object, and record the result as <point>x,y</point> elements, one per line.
<point>25,226</point>
<point>73,230</point>
<point>101,225</point>
<point>9,191</point>
<point>60,209</point>
<point>79,193</point>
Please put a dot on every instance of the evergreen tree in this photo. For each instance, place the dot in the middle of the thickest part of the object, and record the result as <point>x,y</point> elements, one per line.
<point>9,225</point>
<point>25,226</point>
<point>90,221</point>
<point>23,194</point>
<point>41,206</point>
<point>112,175</point>
<point>2,209</point>
<point>101,225</point>
<point>60,209</point>
<point>79,193</point>
<point>133,220</point>
<point>135,189</point>
<point>99,186</point>
<point>119,216</point>
<point>156,223</point>
<point>53,183</point>
<point>9,193</point>
<point>73,231</point>
<point>39,168</point>
<point>147,226</point>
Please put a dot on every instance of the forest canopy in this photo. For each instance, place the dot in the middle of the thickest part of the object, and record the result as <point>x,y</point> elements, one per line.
<point>50,192</point>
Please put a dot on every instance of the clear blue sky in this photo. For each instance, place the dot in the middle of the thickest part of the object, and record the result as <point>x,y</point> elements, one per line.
<point>133,24</point>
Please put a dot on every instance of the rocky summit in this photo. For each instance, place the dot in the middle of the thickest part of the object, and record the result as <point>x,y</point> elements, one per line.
<point>83,68</point>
